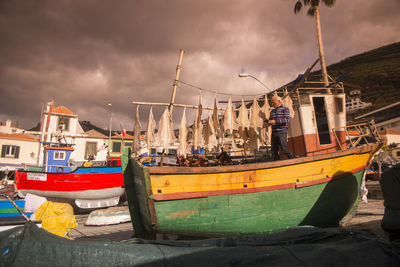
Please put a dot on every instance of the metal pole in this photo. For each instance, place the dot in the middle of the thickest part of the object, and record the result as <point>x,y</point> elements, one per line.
<point>178,70</point>
<point>259,82</point>
<point>244,75</point>
<point>109,136</point>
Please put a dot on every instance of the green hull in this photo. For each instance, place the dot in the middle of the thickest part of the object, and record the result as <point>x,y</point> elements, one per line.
<point>263,212</point>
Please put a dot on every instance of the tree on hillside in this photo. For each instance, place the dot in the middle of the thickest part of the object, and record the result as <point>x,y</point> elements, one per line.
<point>313,11</point>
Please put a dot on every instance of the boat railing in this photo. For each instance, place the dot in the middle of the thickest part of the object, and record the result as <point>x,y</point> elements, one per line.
<point>312,87</point>
<point>358,134</point>
<point>320,87</point>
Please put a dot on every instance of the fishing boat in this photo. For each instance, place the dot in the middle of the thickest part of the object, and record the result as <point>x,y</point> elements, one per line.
<point>87,186</point>
<point>319,187</point>
<point>12,212</point>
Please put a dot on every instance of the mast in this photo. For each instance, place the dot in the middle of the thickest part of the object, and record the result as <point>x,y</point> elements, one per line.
<point>48,121</point>
<point>41,135</point>
<point>175,85</point>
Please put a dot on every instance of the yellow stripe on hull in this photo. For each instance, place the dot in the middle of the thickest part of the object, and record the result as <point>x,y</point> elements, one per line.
<point>274,176</point>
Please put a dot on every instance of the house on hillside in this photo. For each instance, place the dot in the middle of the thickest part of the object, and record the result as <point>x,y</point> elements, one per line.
<point>353,99</point>
<point>387,117</point>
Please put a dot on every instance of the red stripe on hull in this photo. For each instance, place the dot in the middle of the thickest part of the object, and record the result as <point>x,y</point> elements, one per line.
<point>187,195</point>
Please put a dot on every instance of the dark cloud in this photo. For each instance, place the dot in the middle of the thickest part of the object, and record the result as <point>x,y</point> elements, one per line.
<point>85,54</point>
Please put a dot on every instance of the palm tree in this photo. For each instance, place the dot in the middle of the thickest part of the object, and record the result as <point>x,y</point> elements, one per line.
<point>313,11</point>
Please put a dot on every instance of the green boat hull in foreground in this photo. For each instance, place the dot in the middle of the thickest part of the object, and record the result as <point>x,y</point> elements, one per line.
<point>162,200</point>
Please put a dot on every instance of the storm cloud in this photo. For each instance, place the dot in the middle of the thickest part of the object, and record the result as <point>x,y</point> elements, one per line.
<point>85,54</point>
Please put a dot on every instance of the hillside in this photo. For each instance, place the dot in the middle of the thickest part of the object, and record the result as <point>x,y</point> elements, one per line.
<point>377,72</point>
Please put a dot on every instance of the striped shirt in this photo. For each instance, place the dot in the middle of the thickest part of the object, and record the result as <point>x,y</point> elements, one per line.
<point>281,116</point>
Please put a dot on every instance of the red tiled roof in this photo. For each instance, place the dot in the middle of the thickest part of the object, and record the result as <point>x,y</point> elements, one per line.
<point>119,136</point>
<point>62,110</point>
<point>23,137</point>
<point>95,134</point>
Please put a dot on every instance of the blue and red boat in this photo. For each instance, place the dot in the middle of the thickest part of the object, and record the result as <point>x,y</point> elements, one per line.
<point>88,186</point>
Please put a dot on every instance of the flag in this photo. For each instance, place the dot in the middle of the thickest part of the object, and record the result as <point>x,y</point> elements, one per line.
<point>123,131</point>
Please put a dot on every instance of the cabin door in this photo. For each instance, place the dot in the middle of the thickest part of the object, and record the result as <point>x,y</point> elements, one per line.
<point>321,120</point>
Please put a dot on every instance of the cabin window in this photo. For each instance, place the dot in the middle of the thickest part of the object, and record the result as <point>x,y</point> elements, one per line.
<point>305,99</point>
<point>129,144</point>
<point>63,123</point>
<point>59,155</point>
<point>90,150</point>
<point>321,120</point>
<point>9,151</point>
<point>339,104</point>
<point>116,147</point>
<point>172,152</point>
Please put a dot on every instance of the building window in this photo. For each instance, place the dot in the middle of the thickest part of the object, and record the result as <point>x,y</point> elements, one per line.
<point>398,154</point>
<point>116,147</point>
<point>8,151</point>
<point>59,155</point>
<point>128,144</point>
<point>63,123</point>
<point>90,150</point>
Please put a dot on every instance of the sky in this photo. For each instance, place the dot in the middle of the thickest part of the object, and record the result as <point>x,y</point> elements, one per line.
<point>86,54</point>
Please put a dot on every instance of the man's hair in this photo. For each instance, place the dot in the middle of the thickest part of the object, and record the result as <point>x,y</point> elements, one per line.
<point>277,98</point>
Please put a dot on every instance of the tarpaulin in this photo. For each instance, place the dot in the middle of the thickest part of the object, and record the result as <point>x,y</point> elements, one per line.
<point>300,246</point>
<point>57,218</point>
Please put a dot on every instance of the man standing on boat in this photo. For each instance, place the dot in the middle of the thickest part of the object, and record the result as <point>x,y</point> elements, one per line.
<point>279,119</point>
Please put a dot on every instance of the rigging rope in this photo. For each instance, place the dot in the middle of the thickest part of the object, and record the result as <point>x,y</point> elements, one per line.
<point>214,91</point>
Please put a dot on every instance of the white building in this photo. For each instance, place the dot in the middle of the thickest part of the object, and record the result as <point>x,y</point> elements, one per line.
<point>354,103</point>
<point>92,143</point>
<point>63,126</point>
<point>21,148</point>
<point>8,128</point>
<point>18,150</point>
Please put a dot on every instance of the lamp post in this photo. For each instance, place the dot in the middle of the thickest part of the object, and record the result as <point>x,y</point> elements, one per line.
<point>245,75</point>
<point>109,137</point>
